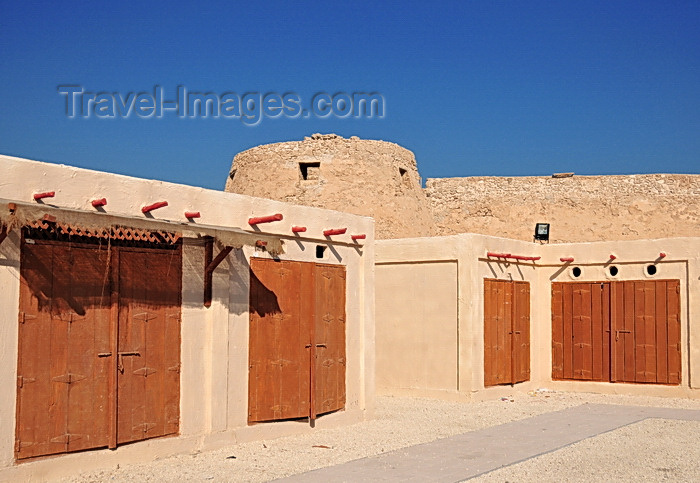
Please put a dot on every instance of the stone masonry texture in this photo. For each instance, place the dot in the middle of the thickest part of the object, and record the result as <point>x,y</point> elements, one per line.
<point>381,179</point>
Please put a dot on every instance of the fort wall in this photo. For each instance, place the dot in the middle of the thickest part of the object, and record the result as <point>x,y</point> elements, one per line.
<point>579,208</point>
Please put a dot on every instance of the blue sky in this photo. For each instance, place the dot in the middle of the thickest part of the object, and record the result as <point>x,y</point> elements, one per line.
<point>503,88</point>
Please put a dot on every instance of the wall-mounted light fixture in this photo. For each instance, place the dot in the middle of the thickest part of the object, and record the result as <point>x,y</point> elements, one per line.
<point>542,232</point>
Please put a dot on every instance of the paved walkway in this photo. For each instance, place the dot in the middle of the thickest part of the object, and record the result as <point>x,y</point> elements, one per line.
<point>471,454</point>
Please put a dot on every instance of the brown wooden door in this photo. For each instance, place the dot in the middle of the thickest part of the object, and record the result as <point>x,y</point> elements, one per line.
<point>646,332</point>
<point>581,331</point>
<point>297,340</point>
<point>506,332</point>
<point>625,331</point>
<point>329,336</point>
<point>74,392</point>
<point>62,395</point>
<point>280,340</point>
<point>521,332</point>
<point>148,350</point>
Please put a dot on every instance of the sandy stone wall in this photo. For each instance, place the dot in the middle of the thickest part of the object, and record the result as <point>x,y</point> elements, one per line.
<point>380,179</point>
<point>579,208</point>
<point>359,176</point>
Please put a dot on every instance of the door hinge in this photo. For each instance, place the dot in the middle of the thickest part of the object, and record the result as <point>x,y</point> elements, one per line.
<point>144,371</point>
<point>21,381</point>
<point>143,427</point>
<point>23,317</point>
<point>145,316</point>
<point>66,438</point>
<point>68,378</point>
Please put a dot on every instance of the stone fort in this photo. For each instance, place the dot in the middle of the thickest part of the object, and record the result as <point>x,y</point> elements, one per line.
<point>381,179</point>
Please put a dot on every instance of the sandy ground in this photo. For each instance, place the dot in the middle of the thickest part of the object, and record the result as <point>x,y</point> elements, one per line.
<point>652,450</point>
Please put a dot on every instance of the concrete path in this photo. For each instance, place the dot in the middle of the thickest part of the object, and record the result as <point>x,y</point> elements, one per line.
<point>471,454</point>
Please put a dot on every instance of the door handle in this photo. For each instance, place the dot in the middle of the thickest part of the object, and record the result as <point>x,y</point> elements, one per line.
<point>120,358</point>
<point>322,345</point>
<point>104,354</point>
<point>617,333</point>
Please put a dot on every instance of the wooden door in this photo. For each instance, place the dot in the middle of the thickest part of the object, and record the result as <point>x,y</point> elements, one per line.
<point>279,385</point>
<point>521,332</point>
<point>297,340</point>
<point>99,346</point>
<point>148,349</point>
<point>646,332</point>
<point>626,331</point>
<point>62,395</point>
<point>506,332</point>
<point>329,337</point>
<point>581,331</point>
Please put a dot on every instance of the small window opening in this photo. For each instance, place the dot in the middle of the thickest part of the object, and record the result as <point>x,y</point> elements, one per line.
<point>651,269</point>
<point>613,271</point>
<point>576,272</point>
<point>232,174</point>
<point>403,174</point>
<point>310,171</point>
<point>320,251</point>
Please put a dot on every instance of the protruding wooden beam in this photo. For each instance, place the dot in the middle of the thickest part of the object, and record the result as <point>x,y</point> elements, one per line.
<point>265,219</point>
<point>46,194</point>
<point>154,206</point>
<point>210,264</point>
<point>334,231</point>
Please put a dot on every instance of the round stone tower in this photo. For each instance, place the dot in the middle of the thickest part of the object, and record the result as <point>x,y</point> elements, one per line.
<point>372,178</point>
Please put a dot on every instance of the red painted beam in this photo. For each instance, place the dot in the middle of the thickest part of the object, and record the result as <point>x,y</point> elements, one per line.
<point>265,219</point>
<point>41,196</point>
<point>154,206</point>
<point>261,244</point>
<point>567,259</point>
<point>612,257</point>
<point>520,257</point>
<point>497,255</point>
<point>98,203</point>
<point>358,237</point>
<point>335,231</point>
<point>193,214</point>
<point>662,255</point>
<point>298,229</point>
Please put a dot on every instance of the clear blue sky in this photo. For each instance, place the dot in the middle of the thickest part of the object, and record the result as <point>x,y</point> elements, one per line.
<point>505,88</point>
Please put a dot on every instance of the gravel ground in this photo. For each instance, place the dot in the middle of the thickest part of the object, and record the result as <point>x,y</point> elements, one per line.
<point>653,450</point>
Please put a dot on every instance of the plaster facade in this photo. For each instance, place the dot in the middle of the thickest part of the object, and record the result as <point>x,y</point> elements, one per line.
<point>462,357</point>
<point>214,348</point>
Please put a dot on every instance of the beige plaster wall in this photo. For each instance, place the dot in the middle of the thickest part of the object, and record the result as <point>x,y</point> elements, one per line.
<point>682,262</point>
<point>214,351</point>
<point>419,315</point>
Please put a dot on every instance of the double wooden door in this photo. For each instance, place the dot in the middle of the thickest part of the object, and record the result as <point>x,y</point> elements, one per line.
<point>506,332</point>
<point>99,346</point>
<point>627,331</point>
<point>297,340</point>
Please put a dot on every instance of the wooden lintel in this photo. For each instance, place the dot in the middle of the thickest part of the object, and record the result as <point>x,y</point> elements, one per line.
<point>210,264</point>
